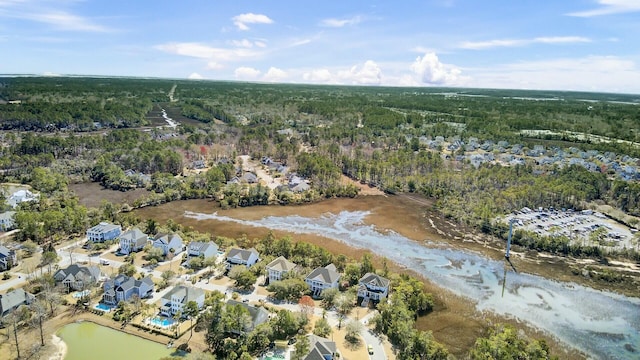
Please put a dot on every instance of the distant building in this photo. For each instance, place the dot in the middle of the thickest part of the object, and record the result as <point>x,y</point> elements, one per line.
<point>21,196</point>
<point>103,232</point>
<point>6,220</point>
<point>8,258</point>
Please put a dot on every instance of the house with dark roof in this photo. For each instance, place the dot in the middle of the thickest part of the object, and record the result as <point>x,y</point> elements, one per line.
<point>6,220</point>
<point>76,277</point>
<point>323,278</point>
<point>103,232</point>
<point>13,300</point>
<point>372,287</point>
<point>278,268</point>
<point>8,258</point>
<point>133,241</point>
<point>258,314</point>
<point>200,248</point>
<point>321,348</point>
<point>174,301</point>
<point>123,288</point>
<point>166,242</point>
<point>237,256</point>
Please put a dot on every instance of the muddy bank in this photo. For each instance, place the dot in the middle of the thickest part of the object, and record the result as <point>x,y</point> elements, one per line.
<point>455,322</point>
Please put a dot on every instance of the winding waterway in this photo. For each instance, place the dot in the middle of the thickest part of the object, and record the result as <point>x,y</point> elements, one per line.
<point>604,325</point>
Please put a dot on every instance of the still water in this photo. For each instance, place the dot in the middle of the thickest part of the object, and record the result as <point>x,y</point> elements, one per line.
<point>602,324</point>
<point>87,340</point>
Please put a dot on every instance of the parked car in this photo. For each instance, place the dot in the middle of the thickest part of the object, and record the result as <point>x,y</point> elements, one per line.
<point>370,349</point>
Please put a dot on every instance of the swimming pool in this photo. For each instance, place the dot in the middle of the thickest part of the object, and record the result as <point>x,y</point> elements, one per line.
<point>103,307</point>
<point>80,294</point>
<point>162,321</point>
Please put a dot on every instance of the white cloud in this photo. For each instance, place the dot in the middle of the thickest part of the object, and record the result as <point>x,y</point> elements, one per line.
<point>241,21</point>
<point>591,73</point>
<point>322,76</point>
<point>202,51</point>
<point>212,65</point>
<point>609,7</point>
<point>195,76</point>
<point>260,44</point>
<point>431,71</point>
<point>245,43</point>
<point>341,22</point>
<point>246,73</point>
<point>61,20</point>
<point>275,75</point>
<point>368,74</point>
<point>480,45</point>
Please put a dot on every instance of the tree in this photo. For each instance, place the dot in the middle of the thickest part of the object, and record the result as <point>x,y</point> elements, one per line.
<point>244,277</point>
<point>322,328</point>
<point>288,289</point>
<point>329,297</point>
<point>190,310</point>
<point>306,305</point>
<point>259,339</point>
<point>286,324</point>
<point>504,343</point>
<point>352,332</point>
<point>39,308</point>
<point>301,347</point>
<point>127,269</point>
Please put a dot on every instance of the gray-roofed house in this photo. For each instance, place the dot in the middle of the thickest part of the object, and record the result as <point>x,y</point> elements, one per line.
<point>278,268</point>
<point>323,278</point>
<point>372,287</point>
<point>201,248</point>
<point>320,348</point>
<point>174,301</point>
<point>258,314</point>
<point>6,220</point>
<point>123,287</point>
<point>8,258</point>
<point>13,300</point>
<point>237,256</point>
<point>76,277</point>
<point>132,241</point>
<point>103,232</point>
<point>166,242</point>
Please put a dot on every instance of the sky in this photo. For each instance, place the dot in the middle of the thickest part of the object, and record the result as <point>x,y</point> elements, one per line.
<point>583,45</point>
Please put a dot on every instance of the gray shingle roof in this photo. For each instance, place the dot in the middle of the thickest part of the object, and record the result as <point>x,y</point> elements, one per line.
<point>327,274</point>
<point>374,279</point>
<point>188,293</point>
<point>281,264</point>
<point>13,299</point>
<point>241,253</point>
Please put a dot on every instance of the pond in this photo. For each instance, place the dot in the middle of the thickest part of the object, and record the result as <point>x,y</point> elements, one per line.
<point>602,324</point>
<point>89,340</point>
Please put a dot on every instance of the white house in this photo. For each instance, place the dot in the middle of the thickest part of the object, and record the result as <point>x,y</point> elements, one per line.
<point>6,220</point>
<point>237,256</point>
<point>104,232</point>
<point>372,287</point>
<point>323,278</point>
<point>21,196</point>
<point>132,241</point>
<point>123,287</point>
<point>278,268</point>
<point>8,258</point>
<point>204,249</point>
<point>76,277</point>
<point>173,301</point>
<point>166,242</point>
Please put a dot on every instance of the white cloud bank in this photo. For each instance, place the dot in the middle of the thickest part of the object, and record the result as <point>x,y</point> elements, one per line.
<point>241,21</point>
<point>610,7</point>
<point>336,23</point>
<point>246,73</point>
<point>275,75</point>
<point>431,71</point>
<point>480,45</point>
<point>195,76</point>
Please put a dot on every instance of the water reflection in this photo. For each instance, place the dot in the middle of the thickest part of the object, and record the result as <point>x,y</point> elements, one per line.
<point>602,324</point>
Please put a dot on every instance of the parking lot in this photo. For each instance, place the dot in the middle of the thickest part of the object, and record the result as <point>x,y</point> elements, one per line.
<point>580,226</point>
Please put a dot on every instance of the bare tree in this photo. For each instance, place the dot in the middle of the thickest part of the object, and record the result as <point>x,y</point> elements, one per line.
<point>39,309</point>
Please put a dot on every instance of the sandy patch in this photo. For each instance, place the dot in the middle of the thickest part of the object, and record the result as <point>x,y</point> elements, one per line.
<point>61,348</point>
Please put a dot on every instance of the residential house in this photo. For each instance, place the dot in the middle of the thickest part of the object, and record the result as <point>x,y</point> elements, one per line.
<point>76,277</point>
<point>323,278</point>
<point>372,287</point>
<point>132,241</point>
<point>258,314</point>
<point>6,220</point>
<point>321,348</point>
<point>104,232</point>
<point>123,287</point>
<point>278,268</point>
<point>301,187</point>
<point>237,256</point>
<point>21,196</point>
<point>204,249</point>
<point>8,258</point>
<point>13,300</point>
<point>174,301</point>
<point>167,242</point>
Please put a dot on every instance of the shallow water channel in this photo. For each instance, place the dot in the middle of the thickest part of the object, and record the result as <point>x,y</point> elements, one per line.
<point>604,325</point>
<point>87,340</point>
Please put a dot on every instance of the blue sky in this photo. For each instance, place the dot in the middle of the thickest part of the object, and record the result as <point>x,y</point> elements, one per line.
<point>587,45</point>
